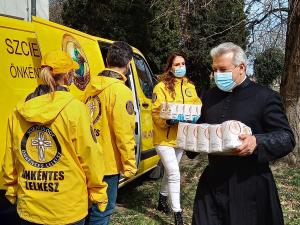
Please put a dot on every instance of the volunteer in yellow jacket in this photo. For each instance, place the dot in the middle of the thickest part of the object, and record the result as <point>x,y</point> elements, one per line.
<point>53,164</point>
<point>174,87</point>
<point>110,103</point>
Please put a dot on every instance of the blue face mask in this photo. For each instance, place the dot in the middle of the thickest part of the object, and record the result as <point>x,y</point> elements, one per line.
<point>224,81</point>
<point>180,72</point>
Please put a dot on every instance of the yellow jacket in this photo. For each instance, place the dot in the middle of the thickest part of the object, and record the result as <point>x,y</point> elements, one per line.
<point>185,94</point>
<point>112,112</point>
<point>52,164</point>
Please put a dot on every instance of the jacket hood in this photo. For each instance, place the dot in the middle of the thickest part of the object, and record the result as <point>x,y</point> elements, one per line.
<point>105,79</point>
<point>43,109</point>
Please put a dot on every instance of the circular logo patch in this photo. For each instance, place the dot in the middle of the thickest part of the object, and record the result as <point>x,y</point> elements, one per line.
<point>82,75</point>
<point>40,147</point>
<point>130,107</point>
<point>94,106</point>
<point>188,92</point>
<point>154,97</point>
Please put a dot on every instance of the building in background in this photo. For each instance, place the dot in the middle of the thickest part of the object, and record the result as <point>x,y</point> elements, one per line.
<point>24,9</point>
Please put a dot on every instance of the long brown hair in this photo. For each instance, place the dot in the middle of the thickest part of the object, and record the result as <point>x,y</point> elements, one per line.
<point>168,77</point>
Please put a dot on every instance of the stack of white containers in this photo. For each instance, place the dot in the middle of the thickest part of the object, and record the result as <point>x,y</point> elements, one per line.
<point>214,138</point>
<point>181,112</point>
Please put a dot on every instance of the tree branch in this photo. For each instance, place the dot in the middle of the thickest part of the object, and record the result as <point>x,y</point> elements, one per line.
<point>272,11</point>
<point>223,31</point>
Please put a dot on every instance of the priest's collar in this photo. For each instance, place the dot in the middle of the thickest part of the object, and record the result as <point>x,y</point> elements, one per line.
<point>245,83</point>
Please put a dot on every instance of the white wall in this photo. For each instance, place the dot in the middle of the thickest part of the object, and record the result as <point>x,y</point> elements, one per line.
<point>22,8</point>
<point>42,8</point>
<point>16,8</point>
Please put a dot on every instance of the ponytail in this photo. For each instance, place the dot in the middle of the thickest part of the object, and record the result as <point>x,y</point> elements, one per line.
<point>49,79</point>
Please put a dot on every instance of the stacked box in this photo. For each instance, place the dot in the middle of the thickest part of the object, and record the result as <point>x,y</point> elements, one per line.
<point>211,138</point>
<point>181,112</point>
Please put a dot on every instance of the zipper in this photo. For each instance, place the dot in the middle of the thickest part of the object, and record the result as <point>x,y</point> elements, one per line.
<point>182,92</point>
<point>169,128</point>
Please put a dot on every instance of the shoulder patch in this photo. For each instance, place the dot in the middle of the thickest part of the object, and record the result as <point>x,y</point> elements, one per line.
<point>188,92</point>
<point>130,107</point>
<point>154,97</point>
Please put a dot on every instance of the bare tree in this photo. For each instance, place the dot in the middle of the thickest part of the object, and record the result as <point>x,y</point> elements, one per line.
<point>290,81</point>
<point>55,10</point>
<point>267,23</point>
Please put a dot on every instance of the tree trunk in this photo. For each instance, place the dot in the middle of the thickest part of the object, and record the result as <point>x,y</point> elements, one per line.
<point>290,81</point>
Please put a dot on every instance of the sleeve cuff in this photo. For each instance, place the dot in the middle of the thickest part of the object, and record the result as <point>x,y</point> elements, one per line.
<point>129,174</point>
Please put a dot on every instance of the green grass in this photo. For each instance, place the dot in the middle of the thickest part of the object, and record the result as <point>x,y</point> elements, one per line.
<point>288,183</point>
<point>137,201</point>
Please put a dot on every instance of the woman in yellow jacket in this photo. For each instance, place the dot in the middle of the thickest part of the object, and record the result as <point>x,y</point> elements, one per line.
<point>173,87</point>
<point>53,164</point>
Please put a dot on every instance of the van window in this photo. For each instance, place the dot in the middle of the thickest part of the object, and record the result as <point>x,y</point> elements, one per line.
<point>144,74</point>
<point>104,49</point>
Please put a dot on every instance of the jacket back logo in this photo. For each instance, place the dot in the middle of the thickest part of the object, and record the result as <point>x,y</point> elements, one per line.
<point>40,147</point>
<point>94,106</point>
<point>41,144</point>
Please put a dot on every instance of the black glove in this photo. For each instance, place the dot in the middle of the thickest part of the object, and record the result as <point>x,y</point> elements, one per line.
<point>172,122</point>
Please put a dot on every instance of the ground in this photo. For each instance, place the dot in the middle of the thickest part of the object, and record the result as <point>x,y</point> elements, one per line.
<point>137,201</point>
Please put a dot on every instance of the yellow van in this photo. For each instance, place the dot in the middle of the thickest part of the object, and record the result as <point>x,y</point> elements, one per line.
<point>23,43</point>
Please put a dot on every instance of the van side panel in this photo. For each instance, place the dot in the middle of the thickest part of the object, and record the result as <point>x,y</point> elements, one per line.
<point>82,47</point>
<point>20,68</point>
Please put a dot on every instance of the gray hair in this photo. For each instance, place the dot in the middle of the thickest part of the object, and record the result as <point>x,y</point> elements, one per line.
<point>239,55</point>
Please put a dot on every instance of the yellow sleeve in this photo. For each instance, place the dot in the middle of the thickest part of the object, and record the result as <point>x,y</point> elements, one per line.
<point>123,121</point>
<point>91,158</point>
<point>10,175</point>
<point>158,97</point>
<point>196,99</point>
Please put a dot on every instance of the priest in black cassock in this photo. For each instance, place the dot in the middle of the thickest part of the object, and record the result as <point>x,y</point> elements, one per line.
<point>239,189</point>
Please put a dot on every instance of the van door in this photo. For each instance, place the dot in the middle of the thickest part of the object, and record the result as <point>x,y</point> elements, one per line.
<point>144,88</point>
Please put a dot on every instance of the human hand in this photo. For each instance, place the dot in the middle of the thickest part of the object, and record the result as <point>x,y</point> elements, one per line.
<point>180,117</point>
<point>128,174</point>
<point>195,119</point>
<point>102,206</point>
<point>172,122</point>
<point>247,147</point>
<point>11,199</point>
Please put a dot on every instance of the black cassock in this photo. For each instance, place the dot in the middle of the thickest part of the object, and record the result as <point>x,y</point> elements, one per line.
<point>241,190</point>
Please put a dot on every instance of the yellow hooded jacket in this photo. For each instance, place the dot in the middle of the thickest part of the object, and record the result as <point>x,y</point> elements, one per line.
<point>112,112</point>
<point>52,164</point>
<point>185,93</point>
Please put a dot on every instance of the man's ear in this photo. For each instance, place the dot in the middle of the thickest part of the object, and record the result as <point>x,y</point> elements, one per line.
<point>242,68</point>
<point>128,66</point>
